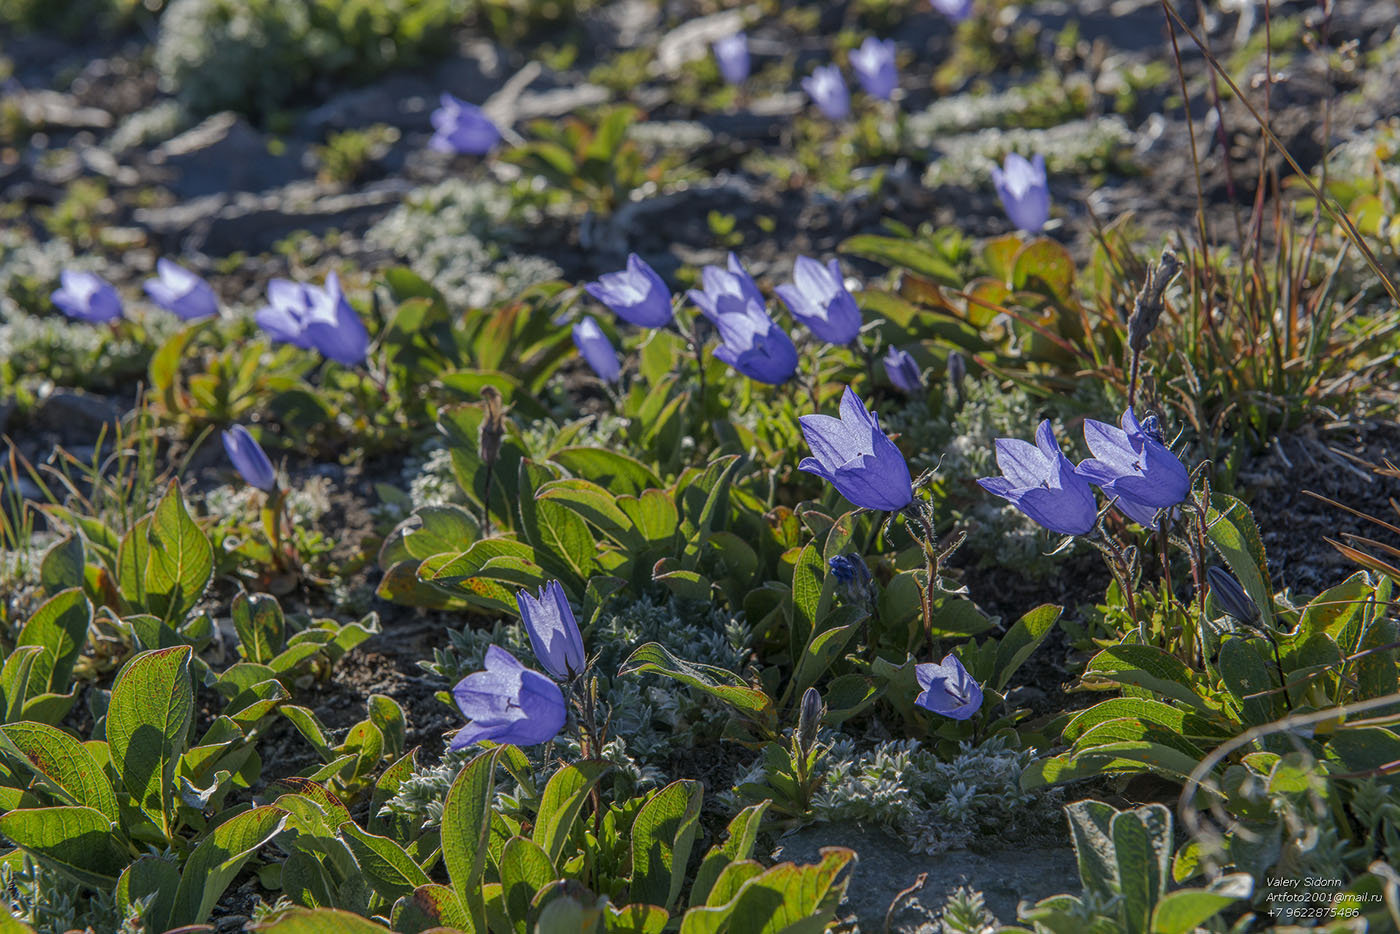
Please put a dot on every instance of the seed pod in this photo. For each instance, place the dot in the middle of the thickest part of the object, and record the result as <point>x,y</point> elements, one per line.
<point>492,426</point>
<point>1147,308</point>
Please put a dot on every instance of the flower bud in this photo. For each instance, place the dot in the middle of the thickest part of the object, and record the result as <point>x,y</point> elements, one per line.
<point>1231,596</point>
<point>809,719</point>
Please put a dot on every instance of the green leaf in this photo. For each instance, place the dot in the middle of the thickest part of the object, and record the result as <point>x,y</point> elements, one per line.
<point>386,787</point>
<point>15,679</point>
<point>525,869</point>
<point>1021,640</point>
<point>76,841</point>
<point>216,860</point>
<point>561,802</point>
<point>717,682</point>
<point>902,253</point>
<point>611,470</point>
<point>1185,911</point>
<point>64,764</point>
<point>554,530</point>
<point>150,876</point>
<point>148,717</point>
<point>260,626</point>
<point>390,871</point>
<point>1149,668</point>
<point>466,827</point>
<point>1232,531</point>
<point>430,907</point>
<point>166,560</point>
<point>62,565</point>
<point>738,845</point>
<point>319,921</point>
<point>60,625</point>
<point>1246,675</point>
<point>662,835</point>
<point>1142,842</point>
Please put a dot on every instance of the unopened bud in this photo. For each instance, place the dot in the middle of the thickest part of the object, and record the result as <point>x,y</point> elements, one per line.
<point>957,375</point>
<point>1231,596</point>
<point>809,719</point>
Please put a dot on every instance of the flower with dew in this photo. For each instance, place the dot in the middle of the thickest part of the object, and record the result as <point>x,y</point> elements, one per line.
<point>856,457</point>
<point>750,341</point>
<point>314,318</point>
<point>554,633</point>
<point>181,292</point>
<point>732,56</point>
<point>903,371</point>
<point>249,459</point>
<point>948,689</point>
<point>462,127</point>
<point>827,89</point>
<point>873,64</point>
<point>635,294</point>
<point>955,10</point>
<point>508,703</point>
<point>818,298</point>
<point>1134,466</point>
<point>87,297</point>
<point>1023,191</point>
<point>1041,482</point>
<point>596,350</point>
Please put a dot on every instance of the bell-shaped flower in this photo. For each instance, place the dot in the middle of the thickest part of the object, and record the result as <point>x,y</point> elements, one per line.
<point>818,298</point>
<point>181,292</point>
<point>1134,466</point>
<point>462,128</point>
<point>1023,191</point>
<point>1041,482</point>
<point>856,457</point>
<point>955,10</point>
<point>827,89</point>
<point>553,631</point>
<point>732,56</point>
<point>903,371</point>
<point>87,297</point>
<point>508,703</point>
<point>314,318</point>
<point>948,689</point>
<point>750,341</point>
<point>249,459</point>
<point>873,64</point>
<point>597,351</point>
<point>635,294</point>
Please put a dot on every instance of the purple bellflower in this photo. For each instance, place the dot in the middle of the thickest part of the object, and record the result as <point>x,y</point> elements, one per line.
<point>827,89</point>
<point>818,298</point>
<point>1041,482</point>
<point>597,350</point>
<point>955,10</point>
<point>750,341</point>
<point>314,318</point>
<point>948,689</point>
<point>461,127</point>
<point>1133,465</point>
<point>181,292</point>
<point>1023,191</point>
<point>873,64</point>
<point>732,56</point>
<point>903,372</point>
<point>249,459</point>
<point>635,294</point>
<point>508,703</point>
<point>87,297</point>
<point>553,632</point>
<point>856,457</point>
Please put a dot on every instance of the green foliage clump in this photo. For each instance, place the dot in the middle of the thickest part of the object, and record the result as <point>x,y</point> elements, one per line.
<point>255,56</point>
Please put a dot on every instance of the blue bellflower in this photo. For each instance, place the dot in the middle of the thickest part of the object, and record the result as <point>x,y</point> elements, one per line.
<point>818,298</point>
<point>314,318</point>
<point>249,459</point>
<point>508,703</point>
<point>181,292</point>
<point>553,631</point>
<point>856,457</point>
<point>750,341</point>
<point>461,127</point>
<point>635,294</point>
<point>1023,191</point>
<point>827,89</point>
<point>732,56</point>
<point>955,10</point>
<point>903,372</point>
<point>1041,482</point>
<point>87,297</point>
<point>597,350</point>
<point>1133,465</point>
<point>948,689</point>
<point>873,64</point>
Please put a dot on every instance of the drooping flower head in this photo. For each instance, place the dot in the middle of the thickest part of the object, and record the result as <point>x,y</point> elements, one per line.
<point>249,459</point>
<point>855,456</point>
<point>903,371</point>
<point>508,703</point>
<point>732,56</point>
<point>314,318</point>
<point>750,341</point>
<point>948,689</point>
<point>818,298</point>
<point>462,128</point>
<point>636,294</point>
<point>955,10</point>
<point>827,89</point>
<point>1023,191</point>
<point>873,64</point>
<point>553,631</point>
<point>181,292</point>
<point>87,297</point>
<point>1133,465</point>
<point>597,351</point>
<point>1041,482</point>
